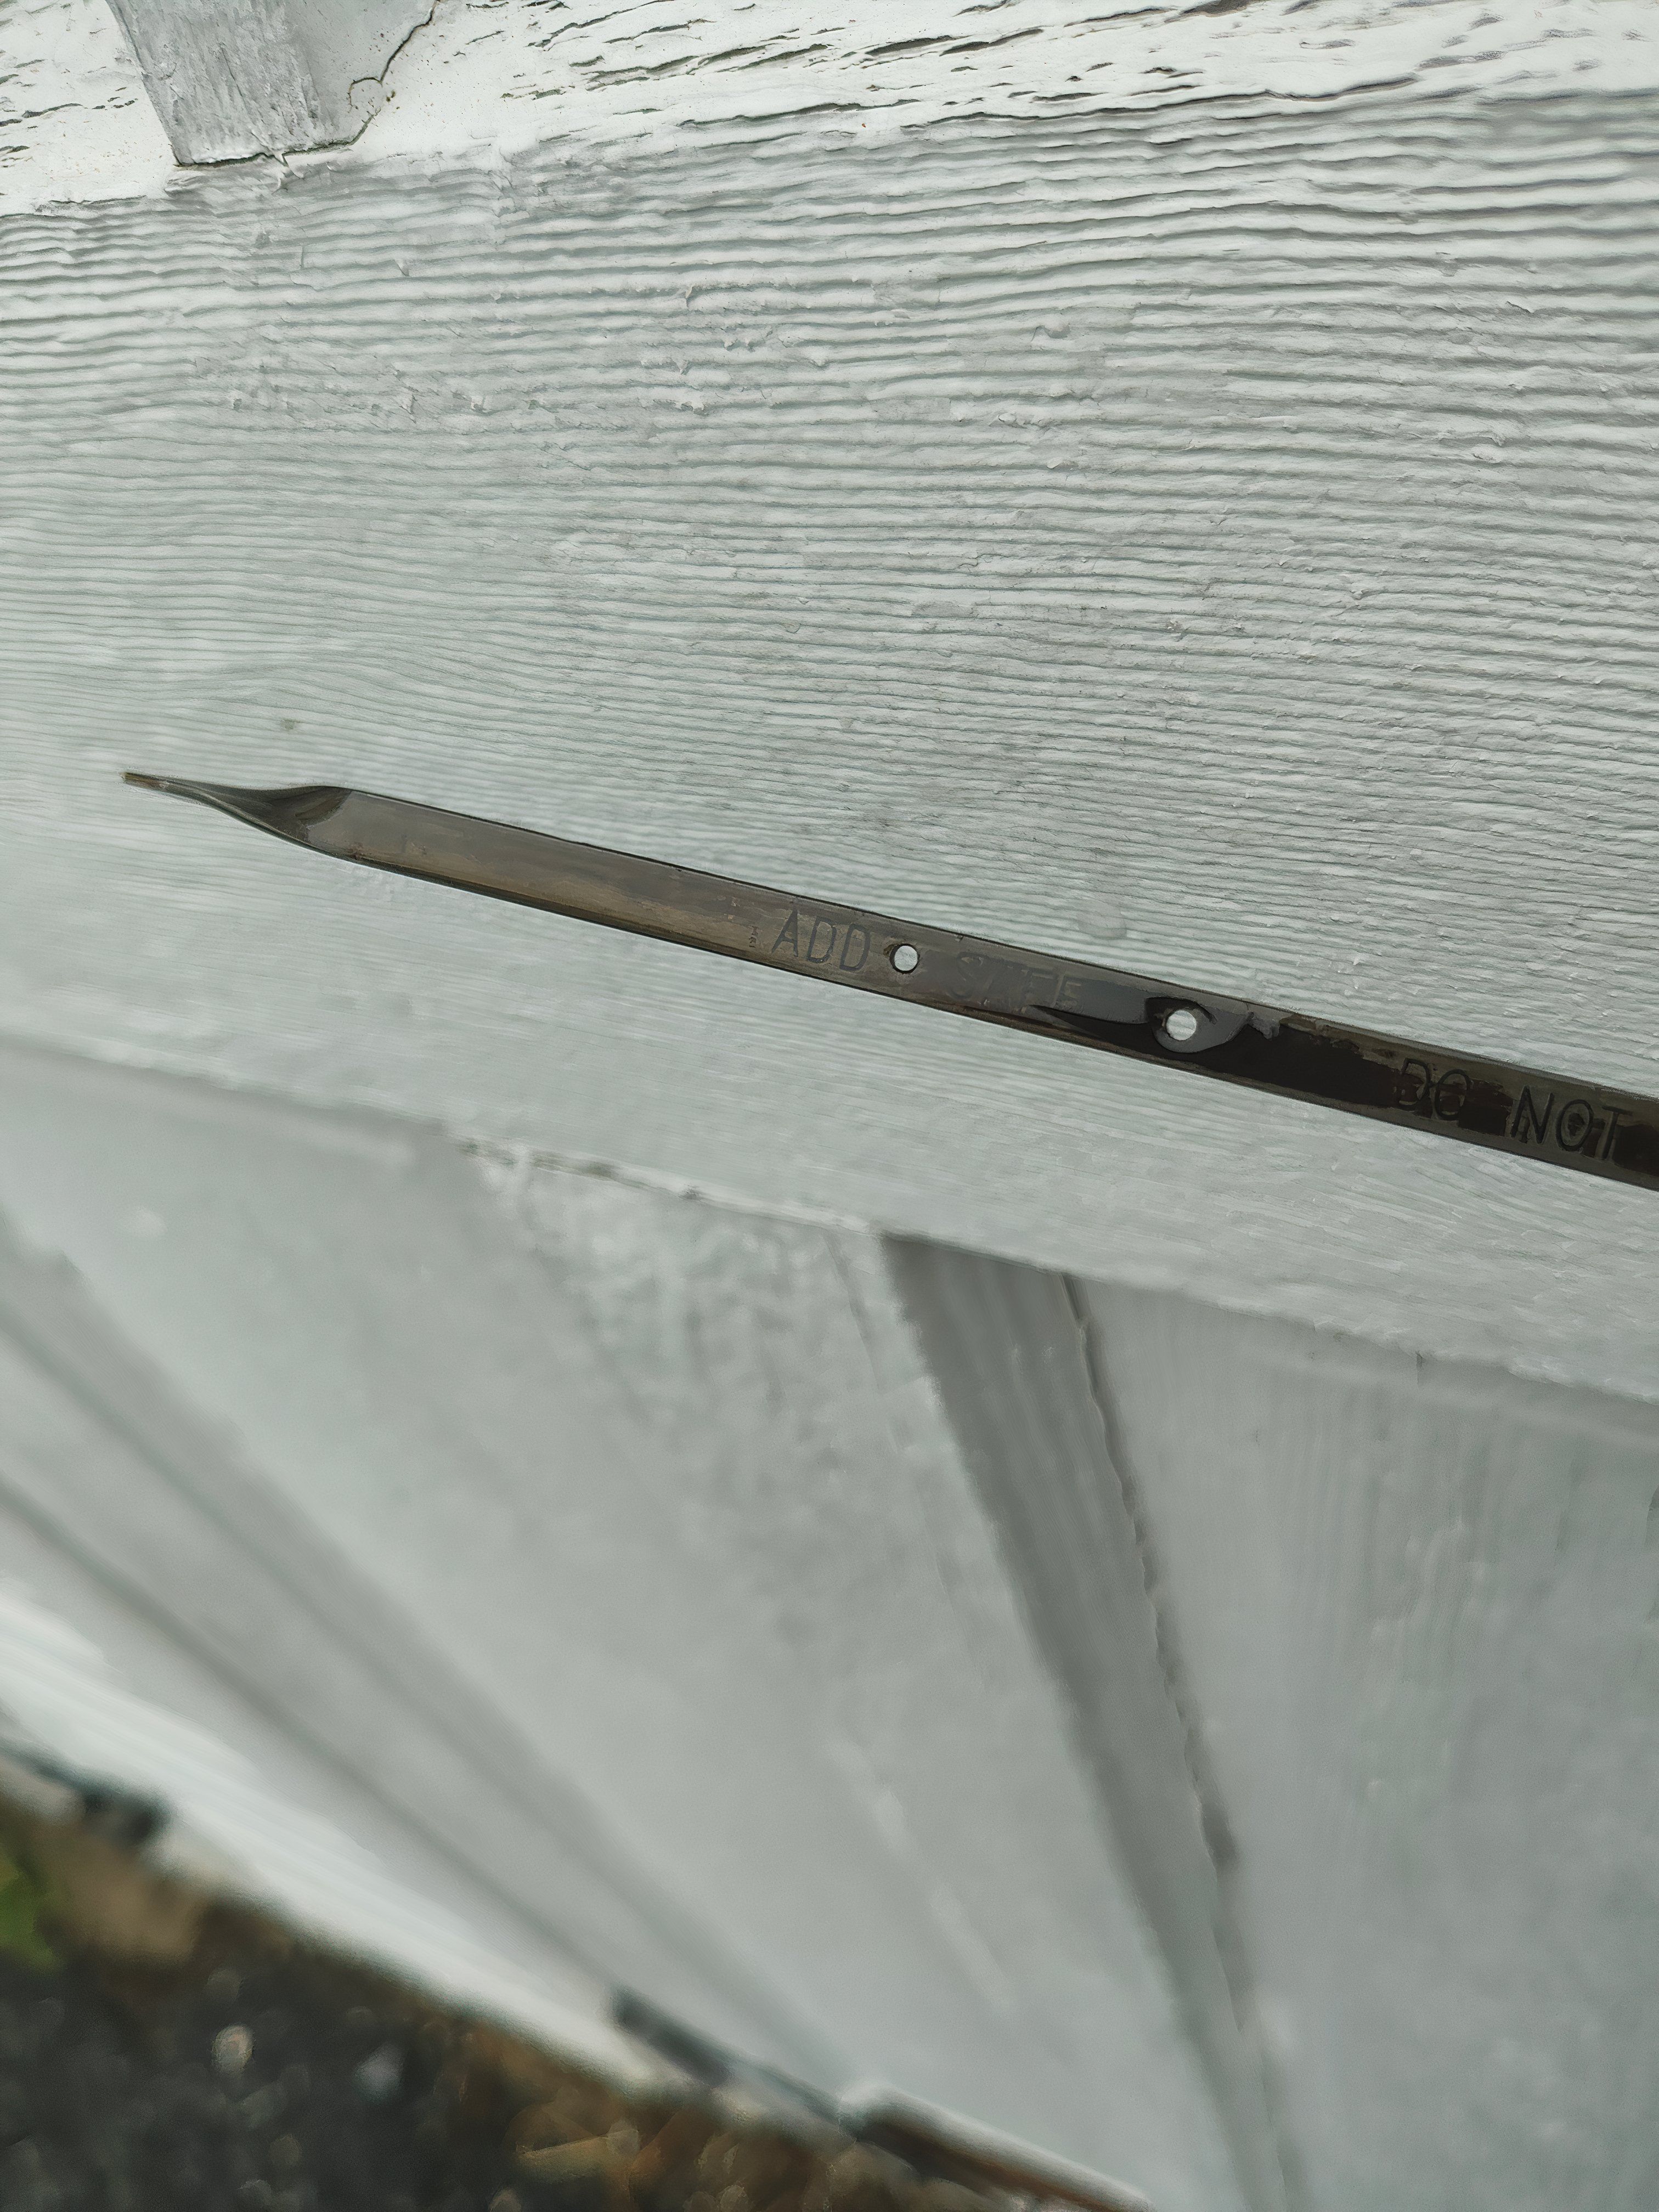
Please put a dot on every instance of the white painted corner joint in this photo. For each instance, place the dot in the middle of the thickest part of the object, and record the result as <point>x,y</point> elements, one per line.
<point>231,79</point>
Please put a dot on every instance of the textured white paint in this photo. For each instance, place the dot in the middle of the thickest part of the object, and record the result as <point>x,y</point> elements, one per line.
<point>351,1659</point>
<point>1007,1349</point>
<point>493,75</point>
<point>670,1496</point>
<point>814,1465</point>
<point>252,1828</point>
<point>230,78</point>
<point>1417,1605</point>
<point>855,1601</point>
<point>1222,544</point>
<point>101,1462</point>
<point>75,123</point>
<point>506,73</point>
<point>1202,516</point>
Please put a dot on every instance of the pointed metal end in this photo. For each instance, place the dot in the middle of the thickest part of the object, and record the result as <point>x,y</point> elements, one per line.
<point>682,2047</point>
<point>704,2061</point>
<point>289,812</point>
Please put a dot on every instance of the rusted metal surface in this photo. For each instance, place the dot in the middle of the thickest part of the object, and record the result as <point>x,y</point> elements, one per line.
<point>1506,1107</point>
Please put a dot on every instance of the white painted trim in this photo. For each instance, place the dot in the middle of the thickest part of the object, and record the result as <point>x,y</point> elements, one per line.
<point>487,78</point>
<point>232,78</point>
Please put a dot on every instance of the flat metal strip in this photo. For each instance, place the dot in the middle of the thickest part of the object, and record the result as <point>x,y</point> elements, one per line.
<point>935,2144</point>
<point>1508,1109</point>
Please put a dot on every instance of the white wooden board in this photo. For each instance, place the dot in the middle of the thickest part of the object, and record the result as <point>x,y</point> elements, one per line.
<point>668,1496</point>
<point>1216,1748</point>
<point>1177,487</point>
<point>1418,1606</point>
<point>1211,533</point>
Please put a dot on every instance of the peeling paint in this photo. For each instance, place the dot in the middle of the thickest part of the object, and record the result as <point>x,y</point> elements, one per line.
<point>231,79</point>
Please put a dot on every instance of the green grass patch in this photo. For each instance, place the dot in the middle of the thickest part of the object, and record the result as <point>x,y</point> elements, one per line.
<point>25,1901</point>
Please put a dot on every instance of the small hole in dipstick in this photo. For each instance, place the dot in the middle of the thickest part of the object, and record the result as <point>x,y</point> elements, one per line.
<point>905,958</point>
<point>1181,1025</point>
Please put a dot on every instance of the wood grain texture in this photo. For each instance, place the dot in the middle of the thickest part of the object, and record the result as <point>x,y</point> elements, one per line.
<point>384,1684</point>
<point>231,78</point>
<point>671,1495</point>
<point>984,1701</point>
<point>165,1623</point>
<point>1417,1606</point>
<point>1201,516</point>
<point>509,73</point>
<point>826,1477</point>
<point>1008,1351</point>
<point>75,122</point>
<point>492,77</point>
<point>1217,541</point>
<point>90,1683</point>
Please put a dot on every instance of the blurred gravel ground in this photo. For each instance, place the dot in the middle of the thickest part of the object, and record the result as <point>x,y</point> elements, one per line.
<point>162,2053</point>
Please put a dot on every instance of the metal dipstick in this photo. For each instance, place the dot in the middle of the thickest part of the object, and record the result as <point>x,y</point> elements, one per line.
<point>1508,1109</point>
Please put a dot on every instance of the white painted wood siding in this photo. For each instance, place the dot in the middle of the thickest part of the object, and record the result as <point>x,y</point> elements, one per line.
<point>1118,1606</point>
<point>1216,535</point>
